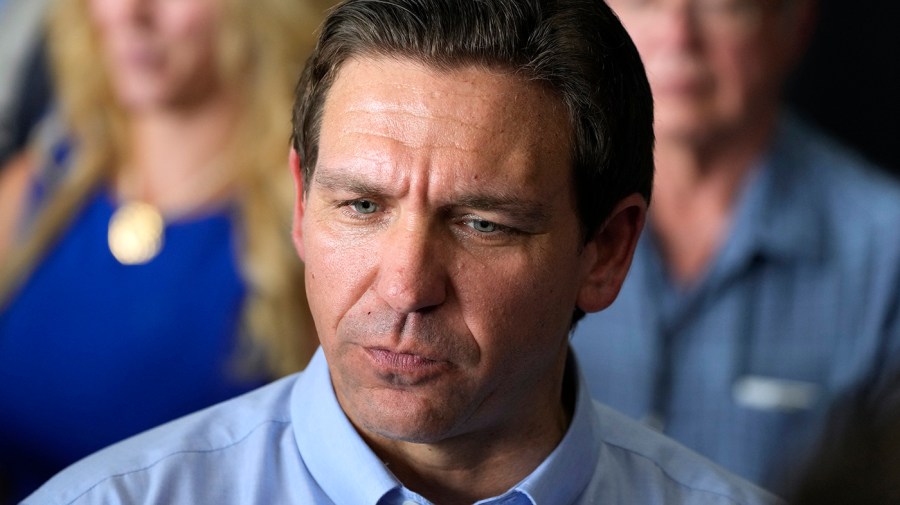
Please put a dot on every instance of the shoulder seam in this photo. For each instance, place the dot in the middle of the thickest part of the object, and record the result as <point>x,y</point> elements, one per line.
<point>672,478</point>
<point>249,432</point>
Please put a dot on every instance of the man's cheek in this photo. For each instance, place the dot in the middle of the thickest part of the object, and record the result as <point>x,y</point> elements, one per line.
<point>339,283</point>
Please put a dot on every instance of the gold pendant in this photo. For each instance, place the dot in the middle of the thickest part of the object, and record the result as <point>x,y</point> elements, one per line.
<point>135,233</point>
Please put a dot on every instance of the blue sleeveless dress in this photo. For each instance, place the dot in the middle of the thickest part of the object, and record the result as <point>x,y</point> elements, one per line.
<point>92,351</point>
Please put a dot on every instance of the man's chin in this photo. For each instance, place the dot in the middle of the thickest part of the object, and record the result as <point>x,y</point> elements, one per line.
<point>404,418</point>
<point>415,434</point>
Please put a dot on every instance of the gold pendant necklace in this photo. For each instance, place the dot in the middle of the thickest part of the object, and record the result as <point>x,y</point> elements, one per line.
<point>135,233</point>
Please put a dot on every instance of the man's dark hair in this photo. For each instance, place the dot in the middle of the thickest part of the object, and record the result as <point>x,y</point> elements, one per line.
<point>576,48</point>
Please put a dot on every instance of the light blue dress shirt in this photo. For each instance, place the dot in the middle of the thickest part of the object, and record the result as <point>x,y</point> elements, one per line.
<point>802,303</point>
<point>290,443</point>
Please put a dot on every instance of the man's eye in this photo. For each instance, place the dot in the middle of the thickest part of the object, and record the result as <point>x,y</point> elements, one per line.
<point>363,206</point>
<point>482,226</point>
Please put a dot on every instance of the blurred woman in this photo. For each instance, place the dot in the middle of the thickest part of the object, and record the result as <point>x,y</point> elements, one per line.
<point>146,268</point>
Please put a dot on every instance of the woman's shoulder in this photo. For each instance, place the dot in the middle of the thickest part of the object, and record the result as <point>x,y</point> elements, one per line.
<point>31,175</point>
<point>15,183</point>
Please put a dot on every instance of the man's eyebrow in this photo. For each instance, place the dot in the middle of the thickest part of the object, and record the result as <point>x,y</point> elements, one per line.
<point>524,210</point>
<point>342,182</point>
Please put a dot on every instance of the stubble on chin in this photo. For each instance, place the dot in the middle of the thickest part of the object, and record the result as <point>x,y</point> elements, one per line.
<point>388,407</point>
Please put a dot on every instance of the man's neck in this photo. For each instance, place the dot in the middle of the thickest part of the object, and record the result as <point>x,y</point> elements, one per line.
<point>697,186</point>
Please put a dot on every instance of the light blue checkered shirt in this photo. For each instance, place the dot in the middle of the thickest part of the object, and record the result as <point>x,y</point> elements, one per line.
<point>802,302</point>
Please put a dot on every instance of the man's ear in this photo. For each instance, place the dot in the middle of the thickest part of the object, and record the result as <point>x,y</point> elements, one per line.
<point>299,202</point>
<point>609,252</point>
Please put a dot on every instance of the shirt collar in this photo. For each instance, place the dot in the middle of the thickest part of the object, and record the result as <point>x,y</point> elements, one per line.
<point>329,444</point>
<point>332,449</point>
<point>779,213</point>
<point>564,475</point>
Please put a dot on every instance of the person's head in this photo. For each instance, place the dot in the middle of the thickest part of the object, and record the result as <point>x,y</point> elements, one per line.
<point>173,55</point>
<point>609,112</point>
<point>716,66</point>
<point>115,59</point>
<point>469,174</point>
<point>158,54</point>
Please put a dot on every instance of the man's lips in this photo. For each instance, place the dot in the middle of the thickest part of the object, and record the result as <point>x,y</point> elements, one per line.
<point>407,367</point>
<point>399,359</point>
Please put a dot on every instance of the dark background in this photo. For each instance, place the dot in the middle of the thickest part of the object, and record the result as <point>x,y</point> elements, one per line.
<point>849,83</point>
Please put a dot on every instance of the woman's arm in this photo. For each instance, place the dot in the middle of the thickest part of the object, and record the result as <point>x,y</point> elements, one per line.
<point>15,178</point>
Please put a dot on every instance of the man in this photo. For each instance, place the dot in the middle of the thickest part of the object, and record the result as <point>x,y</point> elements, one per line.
<point>469,174</point>
<point>769,280</point>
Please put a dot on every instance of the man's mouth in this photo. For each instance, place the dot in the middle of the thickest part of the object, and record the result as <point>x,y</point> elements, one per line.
<point>404,368</point>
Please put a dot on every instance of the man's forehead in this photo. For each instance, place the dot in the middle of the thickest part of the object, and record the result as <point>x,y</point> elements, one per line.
<point>393,123</point>
<point>473,111</point>
<point>386,85</point>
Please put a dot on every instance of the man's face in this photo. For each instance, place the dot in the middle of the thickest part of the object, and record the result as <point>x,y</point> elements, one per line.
<point>714,65</point>
<point>442,247</point>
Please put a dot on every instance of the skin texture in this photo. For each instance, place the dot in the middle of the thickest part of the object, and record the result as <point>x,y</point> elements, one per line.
<point>160,52</point>
<point>443,262</point>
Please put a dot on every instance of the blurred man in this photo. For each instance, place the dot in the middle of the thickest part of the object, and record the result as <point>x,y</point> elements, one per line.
<point>470,177</point>
<point>769,280</point>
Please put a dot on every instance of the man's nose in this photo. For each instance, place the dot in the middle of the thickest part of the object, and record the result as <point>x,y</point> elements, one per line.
<point>412,275</point>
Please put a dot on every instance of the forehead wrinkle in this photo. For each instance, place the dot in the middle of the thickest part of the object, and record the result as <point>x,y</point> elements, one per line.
<point>421,131</point>
<point>403,141</point>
